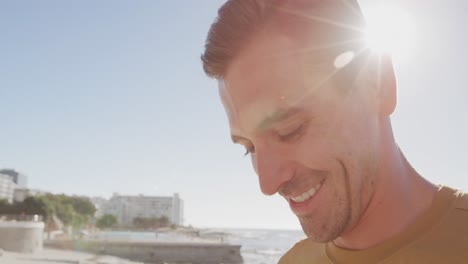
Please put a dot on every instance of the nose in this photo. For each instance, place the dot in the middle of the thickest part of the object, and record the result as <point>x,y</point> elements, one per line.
<point>272,167</point>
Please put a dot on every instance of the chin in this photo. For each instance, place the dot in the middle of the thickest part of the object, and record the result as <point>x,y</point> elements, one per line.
<point>322,232</point>
<point>316,234</point>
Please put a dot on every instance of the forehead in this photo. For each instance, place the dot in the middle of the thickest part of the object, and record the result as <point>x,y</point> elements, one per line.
<point>272,74</point>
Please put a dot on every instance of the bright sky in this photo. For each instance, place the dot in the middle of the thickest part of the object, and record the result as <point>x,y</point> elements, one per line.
<point>109,96</point>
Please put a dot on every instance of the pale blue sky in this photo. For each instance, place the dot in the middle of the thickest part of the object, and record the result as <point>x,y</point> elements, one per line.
<point>109,96</point>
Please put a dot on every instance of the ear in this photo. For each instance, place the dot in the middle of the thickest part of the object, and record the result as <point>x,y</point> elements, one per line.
<point>387,85</point>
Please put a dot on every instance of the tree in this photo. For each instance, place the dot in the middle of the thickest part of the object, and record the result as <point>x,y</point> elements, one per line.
<point>163,221</point>
<point>82,206</point>
<point>5,207</point>
<point>71,210</point>
<point>84,210</point>
<point>151,222</point>
<point>106,221</point>
<point>3,202</point>
<point>32,206</point>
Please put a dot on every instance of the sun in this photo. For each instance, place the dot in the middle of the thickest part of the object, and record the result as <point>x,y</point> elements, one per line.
<point>389,30</point>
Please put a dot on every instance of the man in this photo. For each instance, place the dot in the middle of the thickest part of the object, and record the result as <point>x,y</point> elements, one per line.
<point>312,104</point>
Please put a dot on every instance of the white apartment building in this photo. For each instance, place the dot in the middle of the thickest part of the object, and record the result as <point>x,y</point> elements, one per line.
<point>100,204</point>
<point>7,187</point>
<point>126,208</point>
<point>19,179</point>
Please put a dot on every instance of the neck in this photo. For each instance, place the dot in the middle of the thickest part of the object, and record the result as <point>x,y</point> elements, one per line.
<point>400,196</point>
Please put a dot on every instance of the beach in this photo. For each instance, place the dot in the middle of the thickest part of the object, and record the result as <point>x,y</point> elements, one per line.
<point>48,256</point>
<point>258,246</point>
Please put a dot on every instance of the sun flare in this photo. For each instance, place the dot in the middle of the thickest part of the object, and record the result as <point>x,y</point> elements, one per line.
<point>389,30</point>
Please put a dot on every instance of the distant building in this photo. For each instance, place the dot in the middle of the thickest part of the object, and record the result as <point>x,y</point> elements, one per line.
<point>126,208</point>
<point>7,187</point>
<point>99,203</point>
<point>22,193</point>
<point>19,179</point>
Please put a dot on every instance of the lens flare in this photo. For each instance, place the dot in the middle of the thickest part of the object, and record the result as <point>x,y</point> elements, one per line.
<point>389,30</point>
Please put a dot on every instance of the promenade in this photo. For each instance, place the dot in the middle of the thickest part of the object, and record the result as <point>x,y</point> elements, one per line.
<point>54,256</point>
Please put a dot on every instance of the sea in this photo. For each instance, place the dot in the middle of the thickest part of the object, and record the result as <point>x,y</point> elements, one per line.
<point>262,246</point>
<point>258,246</point>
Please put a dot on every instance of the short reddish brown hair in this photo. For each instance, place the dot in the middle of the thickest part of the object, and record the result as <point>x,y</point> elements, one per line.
<point>239,21</point>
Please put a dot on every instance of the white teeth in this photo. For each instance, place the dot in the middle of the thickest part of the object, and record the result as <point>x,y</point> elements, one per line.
<point>311,192</point>
<point>307,195</point>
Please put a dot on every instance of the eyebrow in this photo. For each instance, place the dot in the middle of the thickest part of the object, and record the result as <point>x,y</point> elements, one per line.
<point>275,117</point>
<point>278,116</point>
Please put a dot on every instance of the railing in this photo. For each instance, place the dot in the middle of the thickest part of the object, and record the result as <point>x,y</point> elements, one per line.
<point>20,218</point>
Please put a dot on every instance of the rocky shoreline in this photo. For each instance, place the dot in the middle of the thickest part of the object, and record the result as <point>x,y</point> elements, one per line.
<point>157,252</point>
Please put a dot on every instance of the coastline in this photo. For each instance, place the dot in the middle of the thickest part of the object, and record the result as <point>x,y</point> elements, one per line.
<point>60,256</point>
<point>258,246</point>
<point>155,251</point>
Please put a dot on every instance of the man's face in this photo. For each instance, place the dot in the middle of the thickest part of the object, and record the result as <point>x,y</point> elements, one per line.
<point>310,140</point>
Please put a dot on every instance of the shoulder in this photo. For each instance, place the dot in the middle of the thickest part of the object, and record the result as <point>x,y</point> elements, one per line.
<point>454,221</point>
<point>451,198</point>
<point>461,202</point>
<point>447,239</point>
<point>305,251</point>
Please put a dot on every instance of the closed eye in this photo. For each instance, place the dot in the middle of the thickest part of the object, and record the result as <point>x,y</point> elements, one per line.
<point>291,135</point>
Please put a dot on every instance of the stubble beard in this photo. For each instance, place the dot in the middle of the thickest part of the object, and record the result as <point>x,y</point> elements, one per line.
<point>329,228</point>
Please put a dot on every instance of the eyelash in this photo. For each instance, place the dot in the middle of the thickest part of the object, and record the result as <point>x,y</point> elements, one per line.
<point>285,138</point>
<point>249,150</point>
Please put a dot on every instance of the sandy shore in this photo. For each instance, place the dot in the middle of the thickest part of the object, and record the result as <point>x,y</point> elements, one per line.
<point>54,256</point>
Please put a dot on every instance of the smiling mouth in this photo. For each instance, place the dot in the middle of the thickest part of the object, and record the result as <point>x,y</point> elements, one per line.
<point>307,195</point>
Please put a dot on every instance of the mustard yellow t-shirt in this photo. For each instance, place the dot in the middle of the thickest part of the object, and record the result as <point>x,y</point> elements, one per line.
<point>439,236</point>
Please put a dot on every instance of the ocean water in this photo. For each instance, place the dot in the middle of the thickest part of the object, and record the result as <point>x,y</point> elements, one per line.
<point>262,246</point>
<point>258,246</point>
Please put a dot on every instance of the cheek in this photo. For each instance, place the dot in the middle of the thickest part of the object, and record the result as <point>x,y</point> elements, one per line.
<point>317,149</point>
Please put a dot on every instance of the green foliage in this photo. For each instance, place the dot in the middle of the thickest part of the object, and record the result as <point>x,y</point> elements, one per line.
<point>3,202</point>
<point>5,207</point>
<point>82,206</point>
<point>151,223</point>
<point>64,212</point>
<point>31,206</point>
<point>106,221</point>
<point>71,210</point>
